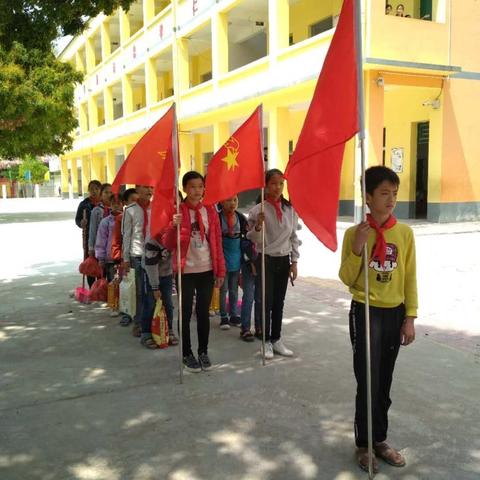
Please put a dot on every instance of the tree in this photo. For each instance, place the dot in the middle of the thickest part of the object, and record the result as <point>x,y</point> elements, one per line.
<point>37,23</point>
<point>32,170</point>
<point>36,90</point>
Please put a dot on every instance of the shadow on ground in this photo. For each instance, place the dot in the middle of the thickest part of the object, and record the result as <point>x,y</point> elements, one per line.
<point>81,399</point>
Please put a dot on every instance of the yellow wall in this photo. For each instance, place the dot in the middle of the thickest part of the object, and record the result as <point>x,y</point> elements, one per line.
<point>461,146</point>
<point>139,97</point>
<point>199,65</point>
<point>307,12</point>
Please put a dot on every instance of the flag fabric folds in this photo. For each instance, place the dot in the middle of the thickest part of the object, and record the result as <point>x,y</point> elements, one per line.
<point>313,171</point>
<point>238,164</point>
<point>144,165</point>
<point>151,162</point>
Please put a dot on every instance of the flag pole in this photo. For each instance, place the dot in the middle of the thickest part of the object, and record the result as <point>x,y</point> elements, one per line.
<point>263,241</point>
<point>361,139</point>
<point>179,253</point>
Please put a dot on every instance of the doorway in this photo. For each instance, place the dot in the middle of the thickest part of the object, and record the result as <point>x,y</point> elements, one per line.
<point>426,10</point>
<point>421,195</point>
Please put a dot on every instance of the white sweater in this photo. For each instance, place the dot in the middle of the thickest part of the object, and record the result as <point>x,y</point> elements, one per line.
<point>280,238</point>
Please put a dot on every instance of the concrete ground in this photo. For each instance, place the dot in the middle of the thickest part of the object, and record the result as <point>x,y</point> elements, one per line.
<point>80,399</point>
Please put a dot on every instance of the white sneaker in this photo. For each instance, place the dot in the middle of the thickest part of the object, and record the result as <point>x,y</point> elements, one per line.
<point>268,351</point>
<point>281,349</point>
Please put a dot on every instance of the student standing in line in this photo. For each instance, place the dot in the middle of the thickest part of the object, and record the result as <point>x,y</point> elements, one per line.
<point>281,256</point>
<point>202,264</point>
<point>393,306</point>
<point>135,224</point>
<point>103,243</point>
<point>87,205</point>
<point>102,210</point>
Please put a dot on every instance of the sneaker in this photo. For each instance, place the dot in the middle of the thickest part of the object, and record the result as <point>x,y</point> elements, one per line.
<point>204,361</point>
<point>224,325</point>
<point>235,322</point>
<point>268,351</point>
<point>191,364</point>
<point>281,349</point>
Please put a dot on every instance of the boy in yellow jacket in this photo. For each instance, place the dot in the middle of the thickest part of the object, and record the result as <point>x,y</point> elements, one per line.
<point>393,306</point>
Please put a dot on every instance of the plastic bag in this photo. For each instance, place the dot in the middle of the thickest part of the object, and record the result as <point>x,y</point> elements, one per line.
<point>98,292</point>
<point>215,303</point>
<point>127,294</point>
<point>113,293</point>
<point>91,268</point>
<point>160,325</point>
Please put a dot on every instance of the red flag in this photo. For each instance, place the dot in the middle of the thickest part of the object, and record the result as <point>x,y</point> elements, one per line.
<point>144,165</point>
<point>165,191</point>
<point>315,166</point>
<point>238,165</point>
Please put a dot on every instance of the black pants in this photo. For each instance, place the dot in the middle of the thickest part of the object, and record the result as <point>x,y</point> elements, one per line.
<point>385,326</point>
<point>277,271</point>
<point>199,285</point>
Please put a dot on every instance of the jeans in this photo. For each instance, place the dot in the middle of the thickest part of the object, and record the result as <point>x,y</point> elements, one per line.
<point>165,285</point>
<point>109,271</point>
<point>231,285</point>
<point>136,264</point>
<point>277,271</point>
<point>385,326</point>
<point>248,286</point>
<point>199,285</point>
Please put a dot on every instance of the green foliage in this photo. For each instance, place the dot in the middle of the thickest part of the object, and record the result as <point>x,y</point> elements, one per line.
<point>37,23</point>
<point>36,90</point>
<point>36,103</point>
<point>36,168</point>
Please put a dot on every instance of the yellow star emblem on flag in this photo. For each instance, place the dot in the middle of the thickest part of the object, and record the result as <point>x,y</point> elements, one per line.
<point>163,154</point>
<point>233,148</point>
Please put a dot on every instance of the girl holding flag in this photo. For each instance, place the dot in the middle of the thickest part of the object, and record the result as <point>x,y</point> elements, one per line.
<point>281,255</point>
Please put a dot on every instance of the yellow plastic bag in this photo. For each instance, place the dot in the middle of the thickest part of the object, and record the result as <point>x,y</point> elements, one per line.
<point>160,325</point>
<point>215,303</point>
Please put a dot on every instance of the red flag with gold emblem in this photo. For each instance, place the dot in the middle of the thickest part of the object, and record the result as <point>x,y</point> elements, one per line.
<point>145,163</point>
<point>238,165</point>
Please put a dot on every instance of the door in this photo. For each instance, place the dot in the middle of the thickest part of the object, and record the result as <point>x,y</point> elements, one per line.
<point>421,197</point>
<point>426,10</point>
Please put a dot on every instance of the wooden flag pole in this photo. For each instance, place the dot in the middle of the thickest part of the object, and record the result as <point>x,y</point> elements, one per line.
<point>263,242</point>
<point>361,138</point>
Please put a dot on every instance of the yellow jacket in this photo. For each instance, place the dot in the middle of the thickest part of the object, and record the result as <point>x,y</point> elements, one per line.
<point>393,283</point>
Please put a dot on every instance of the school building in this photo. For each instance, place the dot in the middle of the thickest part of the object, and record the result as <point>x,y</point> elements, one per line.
<point>218,59</point>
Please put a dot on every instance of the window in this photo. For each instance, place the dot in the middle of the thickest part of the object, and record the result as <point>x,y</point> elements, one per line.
<point>321,26</point>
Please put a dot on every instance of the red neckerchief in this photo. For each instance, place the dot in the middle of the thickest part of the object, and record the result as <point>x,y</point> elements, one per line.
<point>198,217</point>
<point>380,250</point>
<point>278,207</point>
<point>231,220</point>
<point>144,206</point>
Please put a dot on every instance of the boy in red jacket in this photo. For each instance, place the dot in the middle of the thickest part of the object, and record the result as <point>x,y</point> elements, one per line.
<point>202,266</point>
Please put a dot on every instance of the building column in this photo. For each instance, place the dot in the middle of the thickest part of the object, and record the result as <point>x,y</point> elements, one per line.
<point>221,133</point>
<point>151,86</point>
<point>64,177</point>
<point>95,168</point>
<point>108,104</point>
<point>83,118</point>
<point>111,168</point>
<point>198,159</point>
<point>105,39</point>
<point>86,175</point>
<point>187,152</point>
<point>278,138</point>
<point>79,62</point>
<point>181,61</point>
<point>90,54</point>
<point>219,45</point>
<point>279,26</point>
<point>148,11</point>
<point>127,94</point>
<point>92,113</point>
<point>74,177</point>
<point>435,161</point>
<point>124,26</point>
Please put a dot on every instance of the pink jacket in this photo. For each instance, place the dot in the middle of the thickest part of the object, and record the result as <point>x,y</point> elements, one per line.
<point>214,237</point>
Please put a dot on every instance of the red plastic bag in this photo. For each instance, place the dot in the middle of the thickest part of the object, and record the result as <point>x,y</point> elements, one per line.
<point>99,290</point>
<point>91,267</point>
